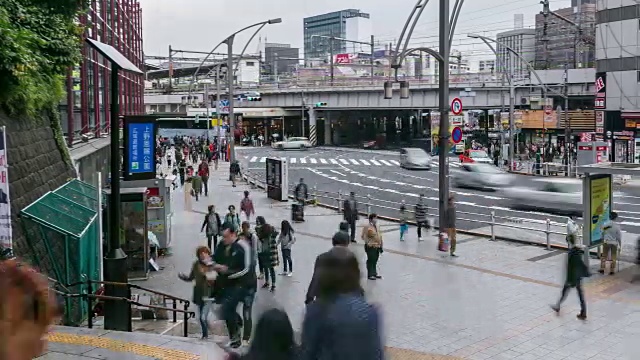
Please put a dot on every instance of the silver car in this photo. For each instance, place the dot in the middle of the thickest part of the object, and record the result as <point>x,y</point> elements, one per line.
<point>563,196</point>
<point>299,143</point>
<point>415,158</point>
<point>480,176</point>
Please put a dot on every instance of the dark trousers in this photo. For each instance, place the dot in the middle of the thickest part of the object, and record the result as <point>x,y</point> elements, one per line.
<point>246,321</point>
<point>266,268</point>
<point>565,292</point>
<point>231,297</point>
<point>422,224</point>
<point>205,183</point>
<point>352,228</point>
<point>214,239</point>
<point>373,254</point>
<point>181,178</point>
<point>286,260</point>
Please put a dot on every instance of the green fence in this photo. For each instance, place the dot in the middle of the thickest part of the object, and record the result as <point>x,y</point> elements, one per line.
<point>62,233</point>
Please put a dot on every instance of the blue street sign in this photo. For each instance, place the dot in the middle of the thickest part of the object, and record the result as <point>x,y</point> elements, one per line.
<point>224,103</point>
<point>141,148</point>
<point>456,135</point>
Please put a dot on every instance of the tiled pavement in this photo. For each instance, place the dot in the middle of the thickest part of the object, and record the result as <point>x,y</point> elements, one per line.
<point>489,303</point>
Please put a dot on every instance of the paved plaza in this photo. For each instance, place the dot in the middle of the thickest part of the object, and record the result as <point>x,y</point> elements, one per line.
<point>492,302</point>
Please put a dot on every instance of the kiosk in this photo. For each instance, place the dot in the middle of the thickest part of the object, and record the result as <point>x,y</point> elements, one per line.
<point>277,179</point>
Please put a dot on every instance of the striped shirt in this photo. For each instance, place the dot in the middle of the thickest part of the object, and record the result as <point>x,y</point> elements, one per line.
<point>421,212</point>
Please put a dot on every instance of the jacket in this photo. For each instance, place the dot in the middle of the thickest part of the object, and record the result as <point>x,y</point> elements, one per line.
<point>240,264</point>
<point>372,236</point>
<point>246,205</point>
<point>203,170</point>
<point>206,225</point>
<point>269,249</point>
<point>232,220</point>
<point>301,191</point>
<point>611,233</point>
<point>346,328</point>
<point>421,212</point>
<point>576,268</point>
<point>201,287</point>
<point>451,217</point>
<point>321,260</point>
<point>196,183</point>
<point>350,214</point>
<point>286,241</point>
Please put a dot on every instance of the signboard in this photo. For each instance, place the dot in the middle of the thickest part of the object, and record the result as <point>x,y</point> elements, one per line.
<point>6,237</point>
<point>224,106</point>
<point>277,179</point>
<point>139,148</point>
<point>599,122</point>
<point>456,106</point>
<point>601,91</point>
<point>456,135</point>
<point>344,58</point>
<point>600,206</point>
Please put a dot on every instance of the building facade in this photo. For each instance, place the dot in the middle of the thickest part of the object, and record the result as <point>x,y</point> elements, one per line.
<point>618,76</point>
<point>86,109</point>
<point>280,58</point>
<point>563,43</point>
<point>350,24</point>
<point>523,42</point>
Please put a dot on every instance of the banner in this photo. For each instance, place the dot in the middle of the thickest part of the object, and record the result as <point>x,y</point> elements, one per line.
<point>5,202</point>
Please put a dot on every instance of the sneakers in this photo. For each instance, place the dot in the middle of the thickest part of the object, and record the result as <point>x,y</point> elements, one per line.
<point>273,288</point>
<point>246,343</point>
<point>265,285</point>
<point>555,308</point>
<point>420,238</point>
<point>372,278</point>
<point>290,274</point>
<point>234,344</point>
<point>284,273</point>
<point>582,316</point>
<point>261,276</point>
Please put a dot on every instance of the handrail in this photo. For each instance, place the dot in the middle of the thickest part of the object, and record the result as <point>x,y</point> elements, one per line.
<point>135,286</point>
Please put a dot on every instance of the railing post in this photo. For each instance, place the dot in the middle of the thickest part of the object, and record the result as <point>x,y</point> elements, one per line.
<point>493,222</point>
<point>339,201</point>
<point>368,204</point>
<point>175,314</point>
<point>89,304</point>
<point>548,233</point>
<point>315,195</point>
<point>185,324</point>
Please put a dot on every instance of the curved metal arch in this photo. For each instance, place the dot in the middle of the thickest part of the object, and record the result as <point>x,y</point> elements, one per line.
<point>429,51</point>
<point>404,31</point>
<point>413,26</point>
<point>457,8</point>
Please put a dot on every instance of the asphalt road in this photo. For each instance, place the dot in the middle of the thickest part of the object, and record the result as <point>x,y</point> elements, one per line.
<point>376,177</point>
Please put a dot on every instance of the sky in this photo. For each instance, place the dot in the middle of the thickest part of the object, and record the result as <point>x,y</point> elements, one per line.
<point>199,25</point>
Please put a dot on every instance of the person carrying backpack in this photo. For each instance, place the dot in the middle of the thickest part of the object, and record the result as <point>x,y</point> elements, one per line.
<point>232,219</point>
<point>246,206</point>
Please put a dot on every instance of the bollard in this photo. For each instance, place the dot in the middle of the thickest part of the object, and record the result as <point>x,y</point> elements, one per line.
<point>339,200</point>
<point>493,221</point>
<point>315,195</point>
<point>368,204</point>
<point>548,232</point>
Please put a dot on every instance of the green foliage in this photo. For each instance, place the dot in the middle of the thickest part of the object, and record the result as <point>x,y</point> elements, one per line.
<point>39,41</point>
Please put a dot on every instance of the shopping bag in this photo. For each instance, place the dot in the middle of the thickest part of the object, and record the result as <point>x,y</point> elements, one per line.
<point>443,242</point>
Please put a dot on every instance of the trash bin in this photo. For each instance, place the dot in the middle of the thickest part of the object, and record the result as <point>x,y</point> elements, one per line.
<point>297,212</point>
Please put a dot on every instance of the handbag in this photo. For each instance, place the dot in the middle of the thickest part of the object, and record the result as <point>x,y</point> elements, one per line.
<point>193,192</point>
<point>443,242</point>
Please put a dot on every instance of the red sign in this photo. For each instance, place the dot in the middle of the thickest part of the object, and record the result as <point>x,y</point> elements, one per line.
<point>456,106</point>
<point>344,58</point>
<point>600,103</point>
<point>585,147</point>
<point>601,148</point>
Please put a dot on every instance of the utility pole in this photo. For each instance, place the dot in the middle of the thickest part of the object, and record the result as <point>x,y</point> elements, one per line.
<point>545,38</point>
<point>567,122</point>
<point>372,62</point>
<point>331,64</point>
<point>232,120</point>
<point>443,80</point>
<point>275,67</point>
<point>218,93</point>
<point>512,129</point>
<point>206,101</point>
<point>170,68</point>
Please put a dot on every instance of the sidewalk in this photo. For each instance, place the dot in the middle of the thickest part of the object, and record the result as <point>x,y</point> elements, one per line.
<point>490,302</point>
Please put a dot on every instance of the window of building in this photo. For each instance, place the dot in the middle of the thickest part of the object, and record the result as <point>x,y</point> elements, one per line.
<point>250,63</point>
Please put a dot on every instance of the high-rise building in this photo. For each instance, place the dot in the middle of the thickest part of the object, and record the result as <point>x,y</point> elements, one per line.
<point>86,109</point>
<point>575,3</point>
<point>617,82</point>
<point>563,43</point>
<point>350,24</point>
<point>280,58</point>
<point>523,42</point>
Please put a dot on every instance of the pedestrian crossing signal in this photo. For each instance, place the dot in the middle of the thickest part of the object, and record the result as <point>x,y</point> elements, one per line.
<point>321,104</point>
<point>254,98</point>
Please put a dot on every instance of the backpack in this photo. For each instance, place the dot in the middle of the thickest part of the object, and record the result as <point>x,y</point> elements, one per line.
<point>229,223</point>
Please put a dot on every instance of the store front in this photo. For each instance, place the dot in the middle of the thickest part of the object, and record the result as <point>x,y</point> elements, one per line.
<point>627,141</point>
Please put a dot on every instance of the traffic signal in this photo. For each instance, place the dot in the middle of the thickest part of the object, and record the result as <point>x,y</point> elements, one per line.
<point>254,98</point>
<point>321,104</point>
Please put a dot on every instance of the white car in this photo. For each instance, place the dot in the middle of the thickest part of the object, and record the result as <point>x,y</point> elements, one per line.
<point>299,143</point>
<point>555,196</point>
<point>480,176</point>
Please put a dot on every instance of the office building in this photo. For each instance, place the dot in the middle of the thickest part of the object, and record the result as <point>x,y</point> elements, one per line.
<point>575,3</point>
<point>350,24</point>
<point>280,58</point>
<point>523,42</point>
<point>563,44</point>
<point>86,109</point>
<point>617,83</point>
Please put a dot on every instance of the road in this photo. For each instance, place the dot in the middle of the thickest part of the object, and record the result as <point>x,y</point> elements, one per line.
<point>377,174</point>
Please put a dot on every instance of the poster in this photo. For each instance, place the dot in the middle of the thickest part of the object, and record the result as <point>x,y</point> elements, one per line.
<point>156,226</point>
<point>600,207</point>
<point>5,202</point>
<point>154,199</point>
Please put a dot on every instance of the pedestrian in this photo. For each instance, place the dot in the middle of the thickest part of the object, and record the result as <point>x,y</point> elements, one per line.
<point>231,219</point>
<point>612,236</point>
<point>372,246</point>
<point>234,170</point>
<point>350,213</point>
<point>182,168</point>
<point>421,216</point>
<point>213,225</point>
<point>340,239</point>
<point>201,272</point>
<point>301,192</point>
<point>268,255</point>
<point>196,185</point>
<point>203,172</point>
<point>28,309</point>
<point>246,206</point>
<point>216,157</point>
<point>273,339</point>
<point>576,270</point>
<point>252,238</point>
<point>341,324</point>
<point>404,219</point>
<point>286,239</point>
<point>450,225</point>
<point>234,263</point>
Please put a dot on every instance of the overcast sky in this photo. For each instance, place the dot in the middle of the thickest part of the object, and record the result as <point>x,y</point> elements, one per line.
<point>201,24</point>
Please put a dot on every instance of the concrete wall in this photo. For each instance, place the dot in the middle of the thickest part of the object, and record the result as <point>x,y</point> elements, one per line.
<point>90,158</point>
<point>36,166</point>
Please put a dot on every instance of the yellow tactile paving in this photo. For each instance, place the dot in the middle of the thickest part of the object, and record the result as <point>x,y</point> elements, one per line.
<point>404,354</point>
<point>122,346</point>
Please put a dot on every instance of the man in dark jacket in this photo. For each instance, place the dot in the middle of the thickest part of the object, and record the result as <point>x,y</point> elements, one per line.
<point>301,192</point>
<point>350,213</point>
<point>340,239</point>
<point>576,270</point>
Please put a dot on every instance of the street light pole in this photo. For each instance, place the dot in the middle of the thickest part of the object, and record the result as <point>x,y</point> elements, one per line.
<point>232,120</point>
<point>331,58</point>
<point>218,93</point>
<point>443,82</point>
<point>206,101</point>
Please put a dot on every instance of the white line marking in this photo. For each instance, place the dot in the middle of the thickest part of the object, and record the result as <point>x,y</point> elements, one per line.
<point>337,172</point>
<point>629,223</point>
<point>303,161</point>
<point>263,159</point>
<point>333,161</point>
<point>354,162</point>
<point>374,162</point>
<point>313,161</point>
<point>395,162</point>
<point>344,161</point>
<point>253,159</point>
<point>365,162</point>
<point>293,160</point>
<point>323,161</point>
<point>386,162</point>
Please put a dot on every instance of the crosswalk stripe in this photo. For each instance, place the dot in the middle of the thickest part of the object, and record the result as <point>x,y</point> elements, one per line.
<point>253,159</point>
<point>263,159</point>
<point>293,160</point>
<point>303,161</point>
<point>344,161</point>
<point>386,162</point>
<point>395,162</point>
<point>354,162</point>
<point>333,161</point>
<point>323,161</point>
<point>375,163</point>
<point>313,161</point>
<point>364,162</point>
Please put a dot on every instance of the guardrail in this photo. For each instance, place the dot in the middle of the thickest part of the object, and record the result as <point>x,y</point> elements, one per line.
<point>334,200</point>
<point>89,297</point>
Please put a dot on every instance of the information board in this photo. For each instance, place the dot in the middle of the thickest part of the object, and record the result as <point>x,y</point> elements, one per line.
<point>277,179</point>
<point>139,148</point>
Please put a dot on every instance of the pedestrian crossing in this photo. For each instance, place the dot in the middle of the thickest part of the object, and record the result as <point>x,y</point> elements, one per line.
<point>323,161</point>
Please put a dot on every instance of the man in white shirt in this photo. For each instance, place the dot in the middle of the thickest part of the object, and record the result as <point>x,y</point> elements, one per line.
<point>612,236</point>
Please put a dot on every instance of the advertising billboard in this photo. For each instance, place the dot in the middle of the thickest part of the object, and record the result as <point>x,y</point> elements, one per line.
<point>139,148</point>
<point>277,179</point>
